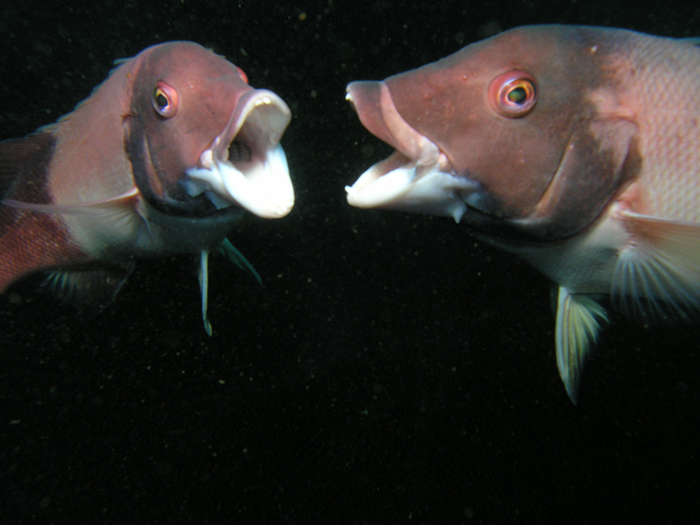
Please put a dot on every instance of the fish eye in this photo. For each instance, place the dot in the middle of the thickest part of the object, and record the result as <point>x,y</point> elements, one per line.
<point>513,94</point>
<point>165,100</point>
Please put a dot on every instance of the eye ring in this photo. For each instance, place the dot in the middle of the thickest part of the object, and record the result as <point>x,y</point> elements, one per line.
<point>513,94</point>
<point>165,100</point>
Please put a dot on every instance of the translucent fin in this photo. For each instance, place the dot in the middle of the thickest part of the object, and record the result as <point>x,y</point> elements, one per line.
<point>237,258</point>
<point>88,289</point>
<point>233,255</point>
<point>657,277</point>
<point>204,287</point>
<point>579,320</point>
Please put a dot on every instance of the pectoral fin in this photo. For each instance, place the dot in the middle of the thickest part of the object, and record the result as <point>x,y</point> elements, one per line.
<point>88,289</point>
<point>657,276</point>
<point>77,209</point>
<point>115,214</point>
<point>579,320</point>
<point>236,257</point>
<point>232,254</point>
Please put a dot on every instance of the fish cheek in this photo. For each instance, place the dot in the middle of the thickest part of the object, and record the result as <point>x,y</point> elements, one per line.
<point>161,192</point>
<point>171,150</point>
<point>137,151</point>
<point>597,164</point>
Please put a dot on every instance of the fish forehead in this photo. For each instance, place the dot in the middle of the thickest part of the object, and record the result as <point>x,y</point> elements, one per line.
<point>547,48</point>
<point>199,75</point>
<point>186,59</point>
<point>567,62</point>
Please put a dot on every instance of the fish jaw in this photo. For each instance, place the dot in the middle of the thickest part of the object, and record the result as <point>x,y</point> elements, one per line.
<point>245,164</point>
<point>417,177</point>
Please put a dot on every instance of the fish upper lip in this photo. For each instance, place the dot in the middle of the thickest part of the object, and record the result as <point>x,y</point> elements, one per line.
<point>410,146</point>
<point>391,127</point>
<point>258,121</point>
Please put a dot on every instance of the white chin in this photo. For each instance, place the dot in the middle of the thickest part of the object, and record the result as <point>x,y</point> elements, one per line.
<point>262,187</point>
<point>400,183</point>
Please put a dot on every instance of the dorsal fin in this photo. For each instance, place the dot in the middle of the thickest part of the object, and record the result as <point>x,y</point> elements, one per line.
<point>692,40</point>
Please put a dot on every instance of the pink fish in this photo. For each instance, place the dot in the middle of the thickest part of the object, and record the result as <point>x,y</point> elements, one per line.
<point>160,159</point>
<point>576,148</point>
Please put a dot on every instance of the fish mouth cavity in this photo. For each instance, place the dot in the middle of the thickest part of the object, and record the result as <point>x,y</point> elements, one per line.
<point>245,164</point>
<point>418,176</point>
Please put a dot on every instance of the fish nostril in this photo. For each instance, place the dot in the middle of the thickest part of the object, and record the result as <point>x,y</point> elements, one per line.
<point>239,152</point>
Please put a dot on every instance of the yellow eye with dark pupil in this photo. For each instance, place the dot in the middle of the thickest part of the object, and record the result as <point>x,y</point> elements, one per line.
<point>161,100</point>
<point>164,100</point>
<point>513,94</point>
<point>517,95</point>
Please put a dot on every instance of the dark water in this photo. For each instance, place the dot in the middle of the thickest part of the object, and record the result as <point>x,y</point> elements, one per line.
<point>391,370</point>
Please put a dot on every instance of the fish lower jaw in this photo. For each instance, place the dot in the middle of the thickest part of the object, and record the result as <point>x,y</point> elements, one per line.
<point>261,186</point>
<point>403,184</point>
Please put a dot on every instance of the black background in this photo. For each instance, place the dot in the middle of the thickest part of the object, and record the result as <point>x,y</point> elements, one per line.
<point>391,370</point>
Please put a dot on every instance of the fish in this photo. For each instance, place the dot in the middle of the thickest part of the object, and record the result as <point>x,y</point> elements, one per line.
<point>162,158</point>
<point>575,148</point>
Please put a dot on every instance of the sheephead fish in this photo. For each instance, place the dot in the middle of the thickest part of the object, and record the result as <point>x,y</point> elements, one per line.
<point>161,159</point>
<point>576,148</point>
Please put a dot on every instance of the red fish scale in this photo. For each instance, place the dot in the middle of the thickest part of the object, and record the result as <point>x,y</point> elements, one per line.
<point>668,115</point>
<point>32,240</point>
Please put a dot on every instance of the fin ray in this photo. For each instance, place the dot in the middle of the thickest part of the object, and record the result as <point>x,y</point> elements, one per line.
<point>657,277</point>
<point>579,319</point>
<point>204,288</point>
<point>75,209</point>
<point>88,289</point>
<point>234,255</point>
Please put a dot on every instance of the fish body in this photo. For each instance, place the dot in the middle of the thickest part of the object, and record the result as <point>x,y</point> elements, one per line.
<point>576,148</point>
<point>162,158</point>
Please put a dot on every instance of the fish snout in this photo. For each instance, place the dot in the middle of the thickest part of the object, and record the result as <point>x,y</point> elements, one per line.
<point>417,177</point>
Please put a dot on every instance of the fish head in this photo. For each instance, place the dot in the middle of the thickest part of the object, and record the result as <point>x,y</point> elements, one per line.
<point>520,135</point>
<point>200,138</point>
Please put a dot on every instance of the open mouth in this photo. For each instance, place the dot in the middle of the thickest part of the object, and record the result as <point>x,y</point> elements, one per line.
<point>417,177</point>
<point>245,164</point>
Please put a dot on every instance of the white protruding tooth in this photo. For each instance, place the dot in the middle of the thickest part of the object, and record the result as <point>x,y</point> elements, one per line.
<point>207,159</point>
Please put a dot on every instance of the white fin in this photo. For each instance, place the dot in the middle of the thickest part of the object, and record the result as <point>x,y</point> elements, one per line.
<point>125,199</point>
<point>204,287</point>
<point>578,322</point>
<point>657,277</point>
